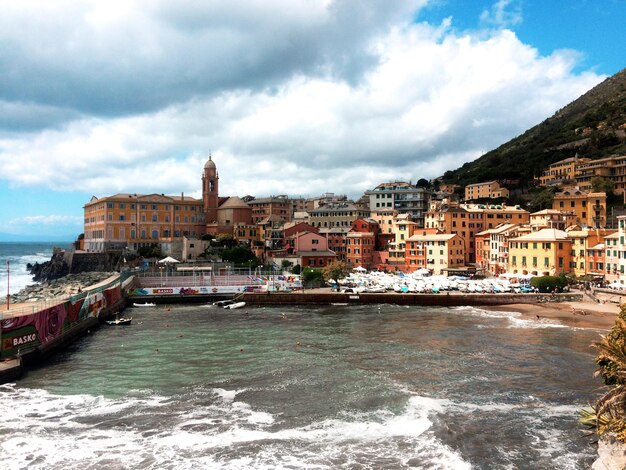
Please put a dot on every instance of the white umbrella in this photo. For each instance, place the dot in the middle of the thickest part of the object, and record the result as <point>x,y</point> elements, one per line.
<point>169,259</point>
<point>360,269</point>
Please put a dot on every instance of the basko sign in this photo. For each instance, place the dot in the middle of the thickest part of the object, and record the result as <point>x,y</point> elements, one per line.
<point>17,341</point>
<point>188,290</point>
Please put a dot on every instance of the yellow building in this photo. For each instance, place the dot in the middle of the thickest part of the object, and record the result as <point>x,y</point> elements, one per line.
<point>545,252</point>
<point>588,208</point>
<point>487,190</point>
<point>130,221</point>
<point>402,228</point>
<point>612,168</point>
<point>434,251</point>
<point>551,218</point>
<point>561,172</point>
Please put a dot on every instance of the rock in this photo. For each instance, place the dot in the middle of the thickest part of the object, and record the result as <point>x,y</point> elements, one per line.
<point>611,454</point>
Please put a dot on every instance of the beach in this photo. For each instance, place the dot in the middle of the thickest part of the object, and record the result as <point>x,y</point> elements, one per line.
<point>584,314</point>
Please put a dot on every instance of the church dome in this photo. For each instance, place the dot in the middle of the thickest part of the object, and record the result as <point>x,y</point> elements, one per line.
<point>209,164</point>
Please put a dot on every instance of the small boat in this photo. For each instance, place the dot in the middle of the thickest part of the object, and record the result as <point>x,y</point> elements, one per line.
<point>235,305</point>
<point>147,304</point>
<point>223,303</point>
<point>120,321</point>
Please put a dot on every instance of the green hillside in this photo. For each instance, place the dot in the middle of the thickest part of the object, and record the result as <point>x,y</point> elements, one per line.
<point>593,126</point>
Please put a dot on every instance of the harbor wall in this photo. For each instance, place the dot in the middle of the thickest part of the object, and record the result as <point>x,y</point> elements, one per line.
<point>35,335</point>
<point>449,300</point>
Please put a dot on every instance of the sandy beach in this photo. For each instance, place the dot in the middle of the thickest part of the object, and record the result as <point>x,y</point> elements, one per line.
<point>585,314</point>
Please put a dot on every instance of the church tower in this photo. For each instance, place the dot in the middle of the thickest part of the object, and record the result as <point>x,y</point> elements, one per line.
<point>210,198</point>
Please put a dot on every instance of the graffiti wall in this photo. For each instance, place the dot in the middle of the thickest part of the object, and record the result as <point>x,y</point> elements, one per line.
<point>200,290</point>
<point>24,333</point>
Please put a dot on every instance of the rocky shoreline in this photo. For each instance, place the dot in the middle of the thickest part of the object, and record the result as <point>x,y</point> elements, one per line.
<point>63,287</point>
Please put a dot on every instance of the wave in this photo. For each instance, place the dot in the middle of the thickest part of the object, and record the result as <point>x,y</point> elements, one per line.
<point>43,430</point>
<point>515,318</point>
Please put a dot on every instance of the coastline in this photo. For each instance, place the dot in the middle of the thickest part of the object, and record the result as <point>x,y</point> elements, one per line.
<point>585,314</point>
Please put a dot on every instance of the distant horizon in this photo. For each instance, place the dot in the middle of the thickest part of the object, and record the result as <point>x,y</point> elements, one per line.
<point>35,240</point>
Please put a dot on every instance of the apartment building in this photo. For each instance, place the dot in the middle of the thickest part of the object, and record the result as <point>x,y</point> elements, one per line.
<point>551,218</point>
<point>562,172</point>
<point>131,221</point>
<point>544,252</point>
<point>583,240</point>
<point>612,168</point>
<point>336,237</point>
<point>612,257</point>
<point>588,208</point>
<point>361,243</point>
<point>402,197</point>
<point>436,252</point>
<point>402,228</point>
<point>263,208</point>
<point>493,248</point>
<point>486,190</point>
<point>336,215</point>
<point>469,219</point>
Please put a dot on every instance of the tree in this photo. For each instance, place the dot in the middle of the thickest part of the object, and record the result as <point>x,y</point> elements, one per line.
<point>240,255</point>
<point>151,251</point>
<point>423,183</point>
<point>601,185</point>
<point>226,239</point>
<point>335,271</point>
<point>542,200</point>
<point>312,277</point>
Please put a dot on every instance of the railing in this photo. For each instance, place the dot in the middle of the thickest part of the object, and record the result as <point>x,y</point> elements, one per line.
<point>30,308</point>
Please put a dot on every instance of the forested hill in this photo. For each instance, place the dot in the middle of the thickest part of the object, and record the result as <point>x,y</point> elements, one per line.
<point>593,126</point>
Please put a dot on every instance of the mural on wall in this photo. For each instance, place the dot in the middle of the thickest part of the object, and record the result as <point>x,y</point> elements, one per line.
<point>24,333</point>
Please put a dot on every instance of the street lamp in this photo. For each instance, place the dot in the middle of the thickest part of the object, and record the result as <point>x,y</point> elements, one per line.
<point>161,269</point>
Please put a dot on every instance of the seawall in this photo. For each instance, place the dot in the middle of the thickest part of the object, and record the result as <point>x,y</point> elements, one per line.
<point>34,331</point>
<point>321,298</point>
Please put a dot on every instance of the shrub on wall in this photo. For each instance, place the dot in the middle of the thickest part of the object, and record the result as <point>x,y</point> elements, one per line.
<point>549,283</point>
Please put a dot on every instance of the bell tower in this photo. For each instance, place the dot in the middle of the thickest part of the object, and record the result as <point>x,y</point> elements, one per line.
<point>210,198</point>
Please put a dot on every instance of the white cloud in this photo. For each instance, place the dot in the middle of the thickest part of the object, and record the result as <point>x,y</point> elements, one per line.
<point>503,14</point>
<point>286,107</point>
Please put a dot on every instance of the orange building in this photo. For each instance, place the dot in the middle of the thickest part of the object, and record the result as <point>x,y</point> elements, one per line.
<point>469,219</point>
<point>131,221</point>
<point>588,208</point>
<point>361,243</point>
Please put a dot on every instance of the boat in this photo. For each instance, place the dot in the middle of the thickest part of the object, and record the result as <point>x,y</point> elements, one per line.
<point>223,303</point>
<point>120,321</point>
<point>235,305</point>
<point>147,304</point>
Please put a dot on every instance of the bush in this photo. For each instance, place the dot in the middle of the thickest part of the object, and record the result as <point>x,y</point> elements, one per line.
<point>312,277</point>
<point>549,283</point>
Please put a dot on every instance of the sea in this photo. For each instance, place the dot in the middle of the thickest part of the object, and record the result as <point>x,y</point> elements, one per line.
<point>14,275</point>
<point>307,387</point>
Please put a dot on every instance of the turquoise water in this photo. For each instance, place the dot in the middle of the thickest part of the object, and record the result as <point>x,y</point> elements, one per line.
<point>317,387</point>
<point>19,255</point>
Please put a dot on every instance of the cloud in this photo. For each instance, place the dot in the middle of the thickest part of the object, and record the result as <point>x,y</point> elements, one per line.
<point>503,14</point>
<point>338,97</point>
<point>46,220</point>
<point>120,58</point>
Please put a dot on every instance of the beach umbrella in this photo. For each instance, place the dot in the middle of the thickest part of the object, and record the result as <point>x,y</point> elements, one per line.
<point>360,269</point>
<point>169,259</point>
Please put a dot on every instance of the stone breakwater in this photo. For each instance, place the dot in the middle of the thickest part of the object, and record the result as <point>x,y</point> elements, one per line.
<point>61,288</point>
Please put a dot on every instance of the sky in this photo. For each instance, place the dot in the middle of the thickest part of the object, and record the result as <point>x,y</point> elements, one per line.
<point>297,97</point>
